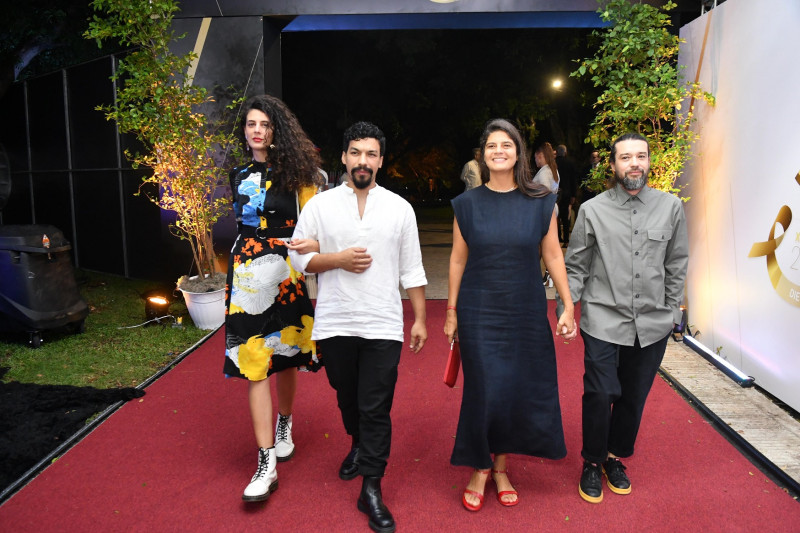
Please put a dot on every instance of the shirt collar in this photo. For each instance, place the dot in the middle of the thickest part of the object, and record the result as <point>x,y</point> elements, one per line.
<point>350,190</point>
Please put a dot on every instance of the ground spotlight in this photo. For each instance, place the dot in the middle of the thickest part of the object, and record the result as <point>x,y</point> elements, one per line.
<point>156,306</point>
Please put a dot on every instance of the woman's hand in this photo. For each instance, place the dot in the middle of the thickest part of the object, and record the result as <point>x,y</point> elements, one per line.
<point>567,327</point>
<point>303,246</point>
<point>451,325</point>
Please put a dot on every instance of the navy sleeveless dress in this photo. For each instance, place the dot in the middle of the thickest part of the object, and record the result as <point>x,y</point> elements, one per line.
<point>510,400</point>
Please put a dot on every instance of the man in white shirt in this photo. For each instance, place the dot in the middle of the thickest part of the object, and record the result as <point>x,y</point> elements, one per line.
<point>368,245</point>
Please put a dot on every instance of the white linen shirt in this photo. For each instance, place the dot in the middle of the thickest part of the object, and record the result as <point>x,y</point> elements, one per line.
<point>368,304</point>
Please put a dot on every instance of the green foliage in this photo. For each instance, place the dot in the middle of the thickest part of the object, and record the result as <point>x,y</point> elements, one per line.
<point>110,353</point>
<point>636,68</point>
<point>158,103</point>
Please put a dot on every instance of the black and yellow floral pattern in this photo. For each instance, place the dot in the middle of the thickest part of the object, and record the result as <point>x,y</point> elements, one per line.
<point>269,314</point>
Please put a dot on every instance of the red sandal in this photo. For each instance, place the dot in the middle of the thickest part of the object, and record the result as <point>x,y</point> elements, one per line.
<point>500,493</point>
<point>479,505</point>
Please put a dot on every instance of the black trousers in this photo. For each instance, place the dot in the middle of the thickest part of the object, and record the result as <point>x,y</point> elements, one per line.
<point>364,373</point>
<point>616,382</point>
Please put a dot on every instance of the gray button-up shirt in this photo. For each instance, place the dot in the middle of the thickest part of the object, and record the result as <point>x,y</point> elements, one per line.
<point>626,264</point>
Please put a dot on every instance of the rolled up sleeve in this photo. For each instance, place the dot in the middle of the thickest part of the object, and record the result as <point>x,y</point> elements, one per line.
<point>412,272</point>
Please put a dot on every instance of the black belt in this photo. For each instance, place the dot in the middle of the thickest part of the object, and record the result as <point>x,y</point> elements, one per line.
<point>265,233</point>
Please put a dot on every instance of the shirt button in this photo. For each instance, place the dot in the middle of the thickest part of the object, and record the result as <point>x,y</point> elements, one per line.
<point>635,211</point>
<point>637,253</point>
<point>637,276</point>
<point>637,295</point>
<point>636,232</point>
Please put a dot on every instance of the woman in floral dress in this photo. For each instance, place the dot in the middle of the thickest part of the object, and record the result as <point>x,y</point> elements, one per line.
<point>269,313</point>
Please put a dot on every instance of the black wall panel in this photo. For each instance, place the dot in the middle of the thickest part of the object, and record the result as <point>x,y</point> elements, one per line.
<point>52,202</point>
<point>48,132</point>
<point>98,221</point>
<point>12,132</point>
<point>92,137</point>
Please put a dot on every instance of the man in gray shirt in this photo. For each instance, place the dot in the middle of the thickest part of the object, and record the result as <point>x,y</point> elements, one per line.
<point>626,264</point>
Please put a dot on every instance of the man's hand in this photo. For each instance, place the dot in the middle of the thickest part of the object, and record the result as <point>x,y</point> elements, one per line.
<point>355,260</point>
<point>419,334</point>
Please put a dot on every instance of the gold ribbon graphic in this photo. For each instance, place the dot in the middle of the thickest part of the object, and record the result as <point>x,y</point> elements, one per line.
<point>786,289</point>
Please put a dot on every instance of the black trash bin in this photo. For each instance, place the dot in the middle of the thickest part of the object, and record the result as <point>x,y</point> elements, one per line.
<point>38,290</point>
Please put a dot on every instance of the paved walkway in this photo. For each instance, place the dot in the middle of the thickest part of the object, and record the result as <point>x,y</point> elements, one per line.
<point>772,431</point>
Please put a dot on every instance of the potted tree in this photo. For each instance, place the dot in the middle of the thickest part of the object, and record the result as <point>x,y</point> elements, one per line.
<point>158,103</point>
<point>636,67</point>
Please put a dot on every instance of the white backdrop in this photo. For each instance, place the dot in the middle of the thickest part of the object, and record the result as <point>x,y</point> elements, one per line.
<point>741,181</point>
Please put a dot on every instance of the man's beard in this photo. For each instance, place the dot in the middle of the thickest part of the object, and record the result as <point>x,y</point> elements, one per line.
<point>361,182</point>
<point>630,184</point>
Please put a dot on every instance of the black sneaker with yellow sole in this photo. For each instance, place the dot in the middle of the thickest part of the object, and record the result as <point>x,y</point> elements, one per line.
<point>591,485</point>
<point>616,479</point>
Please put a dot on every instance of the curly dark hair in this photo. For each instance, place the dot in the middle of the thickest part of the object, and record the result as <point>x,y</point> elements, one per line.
<point>294,160</point>
<point>522,169</point>
<point>363,130</point>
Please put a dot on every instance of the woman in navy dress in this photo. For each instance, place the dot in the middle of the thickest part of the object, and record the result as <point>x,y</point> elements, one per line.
<point>269,314</point>
<point>498,308</point>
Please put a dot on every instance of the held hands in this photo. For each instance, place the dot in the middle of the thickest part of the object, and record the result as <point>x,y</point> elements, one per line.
<point>419,334</point>
<point>355,260</point>
<point>567,327</point>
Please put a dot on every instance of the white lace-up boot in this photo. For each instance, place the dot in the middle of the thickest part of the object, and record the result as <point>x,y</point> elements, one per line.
<point>284,446</point>
<point>265,480</point>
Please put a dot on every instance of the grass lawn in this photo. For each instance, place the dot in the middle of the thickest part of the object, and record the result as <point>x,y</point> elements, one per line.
<point>109,353</point>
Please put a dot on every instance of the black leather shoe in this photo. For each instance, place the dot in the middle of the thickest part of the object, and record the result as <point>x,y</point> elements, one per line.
<point>591,488</point>
<point>370,502</point>
<point>349,468</point>
<point>616,479</point>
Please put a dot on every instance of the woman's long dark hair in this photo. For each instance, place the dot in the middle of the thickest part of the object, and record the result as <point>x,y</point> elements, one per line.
<point>546,149</point>
<point>294,159</point>
<point>522,169</point>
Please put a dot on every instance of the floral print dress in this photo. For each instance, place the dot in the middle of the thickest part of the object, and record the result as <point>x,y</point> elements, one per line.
<point>269,315</point>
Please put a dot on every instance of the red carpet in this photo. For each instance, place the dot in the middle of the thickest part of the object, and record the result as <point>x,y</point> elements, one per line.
<point>179,458</point>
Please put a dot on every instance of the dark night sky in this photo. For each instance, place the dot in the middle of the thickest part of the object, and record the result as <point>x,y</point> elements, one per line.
<point>432,91</point>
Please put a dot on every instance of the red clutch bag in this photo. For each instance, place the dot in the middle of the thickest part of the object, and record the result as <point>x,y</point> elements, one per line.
<point>453,363</point>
